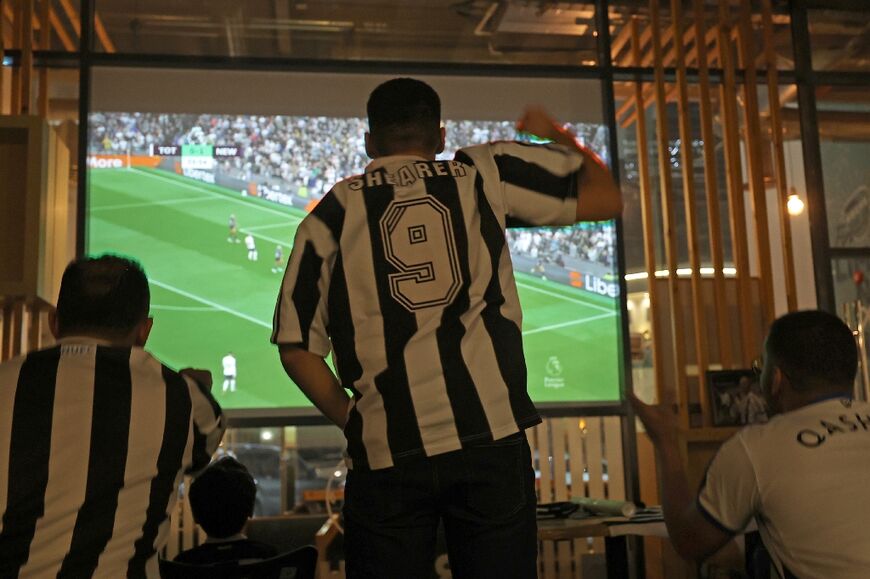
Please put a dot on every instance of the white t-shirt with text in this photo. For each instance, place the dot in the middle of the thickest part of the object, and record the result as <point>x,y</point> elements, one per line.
<point>805,478</point>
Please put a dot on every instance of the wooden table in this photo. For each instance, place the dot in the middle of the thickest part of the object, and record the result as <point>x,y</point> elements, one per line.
<point>614,530</point>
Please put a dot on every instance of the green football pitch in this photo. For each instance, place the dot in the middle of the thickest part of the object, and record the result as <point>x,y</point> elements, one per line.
<point>208,299</point>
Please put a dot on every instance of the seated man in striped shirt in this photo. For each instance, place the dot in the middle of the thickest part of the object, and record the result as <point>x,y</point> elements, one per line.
<point>404,273</point>
<point>95,435</point>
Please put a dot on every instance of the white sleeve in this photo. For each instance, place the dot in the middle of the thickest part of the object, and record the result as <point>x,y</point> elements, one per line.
<point>538,183</point>
<point>301,313</point>
<point>729,496</point>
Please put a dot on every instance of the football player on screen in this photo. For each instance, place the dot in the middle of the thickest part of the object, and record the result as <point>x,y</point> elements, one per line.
<point>252,247</point>
<point>234,229</point>
<point>279,260</point>
<point>229,364</point>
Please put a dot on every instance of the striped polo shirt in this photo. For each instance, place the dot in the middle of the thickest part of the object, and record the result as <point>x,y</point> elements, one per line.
<point>403,273</point>
<point>94,441</point>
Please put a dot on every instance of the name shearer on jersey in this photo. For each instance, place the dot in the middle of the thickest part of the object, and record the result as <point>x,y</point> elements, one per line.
<point>843,424</point>
<point>408,174</point>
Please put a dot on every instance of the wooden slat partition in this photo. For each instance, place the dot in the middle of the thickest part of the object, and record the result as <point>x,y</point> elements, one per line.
<point>26,55</point>
<point>688,171</point>
<point>734,180</point>
<point>17,33</point>
<point>778,157</point>
<point>587,451</point>
<point>44,44</point>
<point>646,207</point>
<point>711,187</point>
<point>3,7</point>
<point>668,223</point>
<point>752,139</point>
<point>592,441</point>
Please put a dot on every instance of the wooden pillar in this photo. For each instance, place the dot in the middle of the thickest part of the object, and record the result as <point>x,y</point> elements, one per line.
<point>734,179</point>
<point>688,173</point>
<point>669,225</point>
<point>711,187</point>
<point>646,209</point>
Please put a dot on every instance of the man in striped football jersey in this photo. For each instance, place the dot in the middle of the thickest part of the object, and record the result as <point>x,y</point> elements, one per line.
<point>403,272</point>
<point>95,435</point>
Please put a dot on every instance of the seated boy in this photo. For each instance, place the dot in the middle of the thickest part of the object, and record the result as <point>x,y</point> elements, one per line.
<point>222,501</point>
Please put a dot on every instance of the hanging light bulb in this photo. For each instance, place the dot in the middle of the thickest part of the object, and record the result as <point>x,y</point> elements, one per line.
<point>794,203</point>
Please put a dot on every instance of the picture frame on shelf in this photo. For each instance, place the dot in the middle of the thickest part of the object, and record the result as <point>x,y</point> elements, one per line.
<point>736,398</point>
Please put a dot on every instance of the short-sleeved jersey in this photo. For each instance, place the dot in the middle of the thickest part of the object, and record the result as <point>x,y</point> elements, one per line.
<point>232,222</point>
<point>94,440</point>
<point>804,477</point>
<point>279,254</point>
<point>249,242</point>
<point>404,273</point>
<point>229,364</point>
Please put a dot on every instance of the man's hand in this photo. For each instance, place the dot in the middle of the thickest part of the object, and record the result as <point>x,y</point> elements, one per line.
<point>660,420</point>
<point>537,121</point>
<point>198,375</point>
<point>599,198</point>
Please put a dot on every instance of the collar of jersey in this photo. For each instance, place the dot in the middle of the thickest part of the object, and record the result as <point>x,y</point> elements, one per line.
<point>392,160</point>
<point>83,340</point>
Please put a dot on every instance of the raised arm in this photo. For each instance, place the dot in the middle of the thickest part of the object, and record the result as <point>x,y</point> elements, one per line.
<point>599,198</point>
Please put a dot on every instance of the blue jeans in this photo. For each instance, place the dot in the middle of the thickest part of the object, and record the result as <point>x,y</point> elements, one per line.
<point>484,494</point>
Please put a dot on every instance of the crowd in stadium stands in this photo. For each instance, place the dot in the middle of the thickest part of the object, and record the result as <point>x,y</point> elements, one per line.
<point>306,155</point>
<point>591,243</point>
<point>302,152</point>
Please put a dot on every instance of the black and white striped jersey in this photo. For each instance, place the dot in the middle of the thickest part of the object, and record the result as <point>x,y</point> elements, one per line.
<point>94,441</point>
<point>404,273</point>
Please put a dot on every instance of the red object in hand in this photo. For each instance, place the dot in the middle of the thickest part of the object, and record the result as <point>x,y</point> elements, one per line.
<point>858,277</point>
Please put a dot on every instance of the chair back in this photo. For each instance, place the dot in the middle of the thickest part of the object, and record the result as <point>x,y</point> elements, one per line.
<point>298,564</point>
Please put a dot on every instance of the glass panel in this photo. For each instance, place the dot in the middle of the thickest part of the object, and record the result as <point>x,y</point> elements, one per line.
<point>627,13</point>
<point>851,281</point>
<point>844,132</point>
<point>399,30</point>
<point>839,39</point>
<point>62,28</point>
<point>852,295</point>
<point>295,468</point>
<point>316,467</point>
<point>261,451</point>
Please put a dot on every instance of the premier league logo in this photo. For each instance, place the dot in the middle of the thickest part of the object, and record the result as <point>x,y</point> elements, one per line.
<point>553,370</point>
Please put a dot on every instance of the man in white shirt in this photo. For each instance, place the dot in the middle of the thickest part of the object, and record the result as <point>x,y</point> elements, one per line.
<point>252,247</point>
<point>803,476</point>
<point>229,364</point>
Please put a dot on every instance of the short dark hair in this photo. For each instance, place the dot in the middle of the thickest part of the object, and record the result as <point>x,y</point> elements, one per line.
<point>814,349</point>
<point>108,293</point>
<point>222,497</point>
<point>404,112</point>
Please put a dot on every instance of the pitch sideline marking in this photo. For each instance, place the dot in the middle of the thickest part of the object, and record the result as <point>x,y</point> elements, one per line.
<point>571,323</point>
<point>183,308</point>
<point>148,204</point>
<point>215,305</point>
<point>273,225</point>
<point>213,194</point>
<point>564,297</point>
